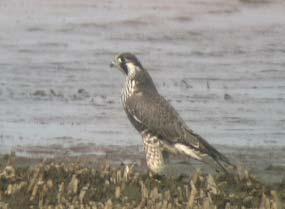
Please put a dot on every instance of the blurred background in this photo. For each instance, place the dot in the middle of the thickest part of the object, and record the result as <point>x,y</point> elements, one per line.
<point>221,63</point>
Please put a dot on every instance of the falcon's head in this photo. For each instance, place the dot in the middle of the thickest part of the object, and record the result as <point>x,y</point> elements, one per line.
<point>132,68</point>
<point>127,63</point>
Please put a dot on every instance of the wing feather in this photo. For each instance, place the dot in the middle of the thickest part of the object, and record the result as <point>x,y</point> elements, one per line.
<point>155,114</point>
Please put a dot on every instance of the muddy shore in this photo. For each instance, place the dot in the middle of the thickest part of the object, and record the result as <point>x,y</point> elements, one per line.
<point>267,163</point>
<point>96,182</point>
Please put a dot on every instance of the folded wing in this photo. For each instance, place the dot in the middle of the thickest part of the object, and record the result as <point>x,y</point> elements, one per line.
<point>154,114</point>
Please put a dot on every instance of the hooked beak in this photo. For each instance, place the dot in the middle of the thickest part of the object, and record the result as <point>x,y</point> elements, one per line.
<point>112,64</point>
<point>115,63</point>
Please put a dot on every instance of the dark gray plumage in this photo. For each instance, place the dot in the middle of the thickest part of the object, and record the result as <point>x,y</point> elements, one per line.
<point>162,129</point>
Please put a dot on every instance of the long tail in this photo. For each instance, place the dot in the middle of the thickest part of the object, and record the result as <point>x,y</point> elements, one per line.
<point>213,157</point>
<point>218,164</point>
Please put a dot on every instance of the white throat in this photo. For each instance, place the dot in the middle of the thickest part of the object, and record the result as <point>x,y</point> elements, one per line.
<point>131,68</point>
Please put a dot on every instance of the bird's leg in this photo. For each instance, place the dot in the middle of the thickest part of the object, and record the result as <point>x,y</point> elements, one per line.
<point>156,177</point>
<point>155,156</point>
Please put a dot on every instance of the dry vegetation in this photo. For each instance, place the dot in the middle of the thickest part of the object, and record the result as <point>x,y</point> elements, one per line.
<point>71,184</point>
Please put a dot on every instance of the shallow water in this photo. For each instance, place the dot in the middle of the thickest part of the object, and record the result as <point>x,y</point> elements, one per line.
<point>220,63</point>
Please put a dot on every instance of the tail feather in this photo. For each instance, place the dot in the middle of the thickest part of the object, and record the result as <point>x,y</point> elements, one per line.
<point>214,157</point>
<point>218,165</point>
<point>218,160</point>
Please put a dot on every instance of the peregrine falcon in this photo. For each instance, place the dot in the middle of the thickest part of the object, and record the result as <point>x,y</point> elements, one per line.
<point>163,131</point>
